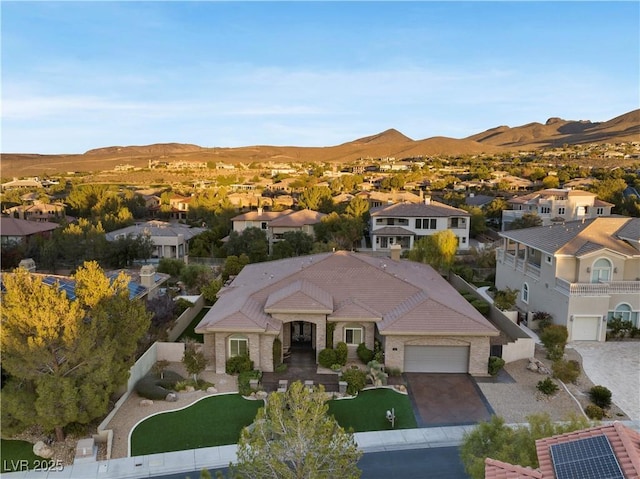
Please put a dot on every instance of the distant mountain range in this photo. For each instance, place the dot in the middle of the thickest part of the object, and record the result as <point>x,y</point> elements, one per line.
<point>390,143</point>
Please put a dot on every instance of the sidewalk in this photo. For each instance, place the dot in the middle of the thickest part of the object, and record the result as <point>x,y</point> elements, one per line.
<point>219,457</point>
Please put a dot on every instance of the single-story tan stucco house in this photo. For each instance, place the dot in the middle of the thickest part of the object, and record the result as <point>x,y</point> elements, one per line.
<point>422,322</point>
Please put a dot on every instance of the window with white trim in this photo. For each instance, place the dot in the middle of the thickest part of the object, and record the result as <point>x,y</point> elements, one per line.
<point>561,210</point>
<point>238,346</point>
<point>353,335</point>
<point>525,293</point>
<point>601,271</point>
<point>599,211</point>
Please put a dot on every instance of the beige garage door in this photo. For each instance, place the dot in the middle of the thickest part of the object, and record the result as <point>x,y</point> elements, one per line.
<point>585,328</point>
<point>436,359</point>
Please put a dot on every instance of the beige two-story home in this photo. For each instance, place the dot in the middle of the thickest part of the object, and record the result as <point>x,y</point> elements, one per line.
<point>583,272</point>
<point>556,205</point>
<point>421,321</point>
<point>405,223</point>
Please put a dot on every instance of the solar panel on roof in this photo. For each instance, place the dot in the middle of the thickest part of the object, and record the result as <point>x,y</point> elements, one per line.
<point>589,458</point>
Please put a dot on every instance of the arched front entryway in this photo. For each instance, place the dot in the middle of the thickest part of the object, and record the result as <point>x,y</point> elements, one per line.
<point>299,343</point>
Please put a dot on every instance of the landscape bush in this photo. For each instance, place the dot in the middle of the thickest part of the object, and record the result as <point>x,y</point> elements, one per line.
<point>600,396</point>
<point>545,319</point>
<point>281,368</point>
<point>495,365</point>
<point>566,371</point>
<point>342,352</point>
<point>618,328</point>
<point>356,380</point>
<point>394,372</point>
<point>482,306</point>
<point>277,352</point>
<point>244,377</point>
<point>554,338</point>
<point>327,357</point>
<point>505,299</point>
<point>153,387</point>
<point>238,364</point>
<point>594,412</point>
<point>547,386</point>
<point>364,354</point>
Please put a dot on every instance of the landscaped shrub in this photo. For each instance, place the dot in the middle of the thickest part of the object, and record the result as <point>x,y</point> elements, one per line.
<point>277,352</point>
<point>364,354</point>
<point>618,328</point>
<point>376,373</point>
<point>547,386</point>
<point>554,338</point>
<point>153,387</point>
<point>566,371</point>
<point>495,365</point>
<point>355,379</point>
<point>336,367</point>
<point>482,306</point>
<point>394,372</point>
<point>545,319</point>
<point>238,364</point>
<point>600,396</point>
<point>594,412</point>
<point>280,368</point>
<point>331,327</point>
<point>378,353</point>
<point>505,299</point>
<point>244,377</point>
<point>327,357</point>
<point>342,351</point>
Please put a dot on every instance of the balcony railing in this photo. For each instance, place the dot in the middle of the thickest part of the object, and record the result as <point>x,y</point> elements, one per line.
<point>597,289</point>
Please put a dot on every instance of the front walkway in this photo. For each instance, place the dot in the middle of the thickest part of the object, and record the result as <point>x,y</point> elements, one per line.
<point>615,365</point>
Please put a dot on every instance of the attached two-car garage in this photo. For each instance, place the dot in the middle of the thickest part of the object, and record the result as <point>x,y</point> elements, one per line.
<point>436,359</point>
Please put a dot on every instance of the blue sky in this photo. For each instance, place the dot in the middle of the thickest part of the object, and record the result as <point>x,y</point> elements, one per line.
<point>82,75</point>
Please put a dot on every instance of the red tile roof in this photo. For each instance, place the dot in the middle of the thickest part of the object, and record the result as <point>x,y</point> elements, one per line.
<point>494,469</point>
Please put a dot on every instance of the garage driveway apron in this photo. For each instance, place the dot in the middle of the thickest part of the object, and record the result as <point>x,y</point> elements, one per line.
<point>615,365</point>
<point>446,399</point>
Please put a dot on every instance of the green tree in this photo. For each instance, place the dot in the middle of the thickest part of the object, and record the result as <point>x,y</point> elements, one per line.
<point>193,359</point>
<point>233,265</point>
<point>438,250</point>
<point>495,208</point>
<point>477,222</point>
<point>65,357</point>
<point>551,182</point>
<point>294,437</point>
<point>252,242</point>
<point>194,276</point>
<point>527,220</point>
<point>293,243</point>
<point>358,207</point>
<point>343,230</point>
<point>496,440</point>
<point>312,198</point>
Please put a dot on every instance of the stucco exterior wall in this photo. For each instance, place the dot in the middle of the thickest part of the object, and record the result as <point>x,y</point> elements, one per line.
<point>368,333</point>
<point>478,350</point>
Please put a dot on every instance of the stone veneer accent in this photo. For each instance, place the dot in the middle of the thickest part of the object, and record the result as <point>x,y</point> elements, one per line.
<point>478,351</point>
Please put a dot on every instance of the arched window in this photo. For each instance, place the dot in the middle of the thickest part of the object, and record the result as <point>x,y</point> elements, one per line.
<point>238,345</point>
<point>623,311</point>
<point>601,271</point>
<point>525,292</point>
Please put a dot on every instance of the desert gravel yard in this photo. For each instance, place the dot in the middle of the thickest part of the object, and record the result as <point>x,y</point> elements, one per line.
<point>514,401</point>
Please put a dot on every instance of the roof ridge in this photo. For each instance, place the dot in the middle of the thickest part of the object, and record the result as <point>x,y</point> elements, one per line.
<point>627,437</point>
<point>530,472</point>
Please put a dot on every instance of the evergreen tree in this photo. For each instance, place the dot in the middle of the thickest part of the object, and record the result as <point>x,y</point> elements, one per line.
<point>65,357</point>
<point>294,437</point>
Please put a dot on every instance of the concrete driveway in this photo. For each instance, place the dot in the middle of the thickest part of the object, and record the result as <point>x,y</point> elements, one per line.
<point>615,365</point>
<point>446,399</point>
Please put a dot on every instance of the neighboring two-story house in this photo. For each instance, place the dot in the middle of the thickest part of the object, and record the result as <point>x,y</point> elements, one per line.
<point>583,272</point>
<point>556,206</point>
<point>405,223</point>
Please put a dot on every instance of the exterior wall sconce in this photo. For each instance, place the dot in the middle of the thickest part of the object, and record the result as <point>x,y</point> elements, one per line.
<point>588,270</point>
<point>571,318</point>
<point>615,270</point>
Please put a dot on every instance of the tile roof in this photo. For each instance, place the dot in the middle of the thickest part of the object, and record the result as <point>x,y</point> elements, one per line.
<point>298,218</point>
<point>261,216</point>
<point>406,296</point>
<point>157,228</point>
<point>494,469</point>
<point>17,227</point>
<point>625,443</point>
<point>392,231</point>
<point>418,210</point>
<point>579,237</point>
<point>543,194</point>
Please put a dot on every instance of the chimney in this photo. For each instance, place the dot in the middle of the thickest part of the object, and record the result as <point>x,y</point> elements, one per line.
<point>260,210</point>
<point>147,273</point>
<point>427,200</point>
<point>395,252</point>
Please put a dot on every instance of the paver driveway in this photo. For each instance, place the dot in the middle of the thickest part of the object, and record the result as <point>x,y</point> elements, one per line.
<point>615,365</point>
<point>446,399</point>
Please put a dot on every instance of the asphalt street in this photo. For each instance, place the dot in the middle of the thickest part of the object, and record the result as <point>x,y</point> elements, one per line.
<point>428,463</point>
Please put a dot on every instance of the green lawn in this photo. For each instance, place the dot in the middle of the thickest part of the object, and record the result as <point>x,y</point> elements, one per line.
<point>367,412</point>
<point>12,452</point>
<point>212,421</point>
<point>189,332</point>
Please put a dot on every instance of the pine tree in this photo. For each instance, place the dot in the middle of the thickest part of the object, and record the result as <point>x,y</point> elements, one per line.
<point>65,357</point>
